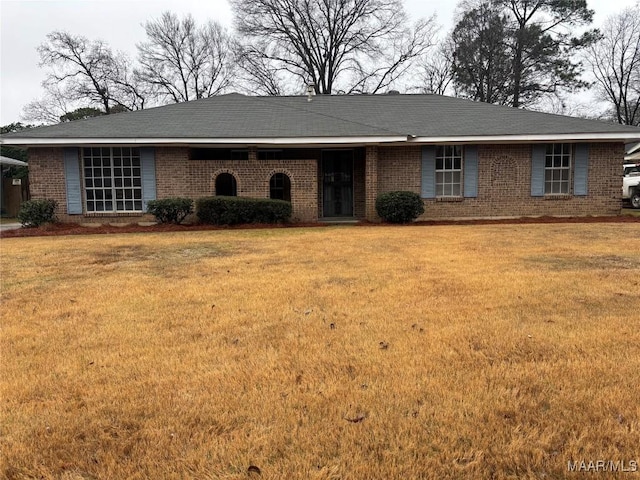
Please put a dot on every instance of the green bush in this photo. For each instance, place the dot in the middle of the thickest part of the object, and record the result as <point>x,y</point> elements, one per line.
<point>237,210</point>
<point>34,213</point>
<point>399,207</point>
<point>170,210</point>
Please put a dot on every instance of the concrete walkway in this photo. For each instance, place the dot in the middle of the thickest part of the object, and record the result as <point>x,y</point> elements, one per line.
<point>9,226</point>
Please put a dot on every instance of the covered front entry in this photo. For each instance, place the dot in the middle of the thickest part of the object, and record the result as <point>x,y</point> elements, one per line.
<point>337,183</point>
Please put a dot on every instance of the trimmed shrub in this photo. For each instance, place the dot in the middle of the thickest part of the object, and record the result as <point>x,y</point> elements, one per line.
<point>170,210</point>
<point>399,207</point>
<point>34,213</point>
<point>237,210</point>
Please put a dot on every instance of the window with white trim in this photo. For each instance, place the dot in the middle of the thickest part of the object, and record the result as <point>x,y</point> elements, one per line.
<point>557,169</point>
<point>449,170</point>
<point>112,179</point>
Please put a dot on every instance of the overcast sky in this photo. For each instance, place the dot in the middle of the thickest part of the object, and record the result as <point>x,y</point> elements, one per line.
<point>24,25</point>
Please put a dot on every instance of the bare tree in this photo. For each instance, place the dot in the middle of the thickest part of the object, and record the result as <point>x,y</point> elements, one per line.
<point>615,62</point>
<point>49,108</point>
<point>337,45</point>
<point>436,70</point>
<point>88,72</point>
<point>258,76</point>
<point>181,61</point>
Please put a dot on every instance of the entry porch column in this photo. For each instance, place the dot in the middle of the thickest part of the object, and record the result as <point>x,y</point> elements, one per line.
<point>371,182</point>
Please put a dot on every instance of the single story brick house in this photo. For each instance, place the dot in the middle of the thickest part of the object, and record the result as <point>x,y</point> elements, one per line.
<point>331,155</point>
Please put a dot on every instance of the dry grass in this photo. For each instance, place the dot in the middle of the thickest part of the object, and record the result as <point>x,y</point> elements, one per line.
<point>339,353</point>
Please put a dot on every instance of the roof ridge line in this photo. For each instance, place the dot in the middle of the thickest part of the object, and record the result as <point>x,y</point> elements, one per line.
<point>265,99</point>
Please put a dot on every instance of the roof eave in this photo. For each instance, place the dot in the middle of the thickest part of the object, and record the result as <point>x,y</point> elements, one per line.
<point>297,141</point>
<point>530,138</point>
<point>626,137</point>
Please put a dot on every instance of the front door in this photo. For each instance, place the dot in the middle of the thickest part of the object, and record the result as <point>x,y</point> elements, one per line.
<point>337,184</point>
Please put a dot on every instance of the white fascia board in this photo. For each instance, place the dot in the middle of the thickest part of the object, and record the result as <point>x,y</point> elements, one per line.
<point>564,137</point>
<point>206,141</point>
<point>336,141</point>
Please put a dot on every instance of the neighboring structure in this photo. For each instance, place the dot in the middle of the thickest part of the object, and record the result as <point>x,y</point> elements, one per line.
<point>331,156</point>
<point>633,153</point>
<point>12,190</point>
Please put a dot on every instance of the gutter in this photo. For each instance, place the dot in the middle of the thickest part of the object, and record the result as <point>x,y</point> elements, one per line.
<point>205,141</point>
<point>537,138</point>
<point>626,137</point>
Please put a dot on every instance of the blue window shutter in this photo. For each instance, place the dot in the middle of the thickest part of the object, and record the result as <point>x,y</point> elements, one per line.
<point>148,172</point>
<point>581,169</point>
<point>428,189</point>
<point>538,159</point>
<point>72,180</point>
<point>470,171</point>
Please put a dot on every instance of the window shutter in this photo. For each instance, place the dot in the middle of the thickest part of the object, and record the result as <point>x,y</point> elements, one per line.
<point>428,189</point>
<point>537,169</point>
<point>148,172</point>
<point>72,180</point>
<point>581,169</point>
<point>470,171</point>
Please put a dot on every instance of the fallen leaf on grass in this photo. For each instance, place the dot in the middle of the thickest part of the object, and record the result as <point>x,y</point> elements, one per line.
<point>356,419</point>
<point>253,470</point>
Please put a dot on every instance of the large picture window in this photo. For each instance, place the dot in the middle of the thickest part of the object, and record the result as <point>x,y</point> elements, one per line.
<point>448,171</point>
<point>112,179</point>
<point>557,169</point>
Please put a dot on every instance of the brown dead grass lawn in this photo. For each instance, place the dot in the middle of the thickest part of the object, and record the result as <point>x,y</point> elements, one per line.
<point>338,353</point>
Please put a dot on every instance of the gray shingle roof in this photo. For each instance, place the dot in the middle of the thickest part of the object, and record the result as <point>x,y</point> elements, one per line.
<point>237,116</point>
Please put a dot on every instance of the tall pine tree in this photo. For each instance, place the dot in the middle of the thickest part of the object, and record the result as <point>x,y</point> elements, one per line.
<point>524,49</point>
<point>481,65</point>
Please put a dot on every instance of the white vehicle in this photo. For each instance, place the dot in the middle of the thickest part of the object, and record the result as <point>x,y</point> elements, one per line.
<point>631,184</point>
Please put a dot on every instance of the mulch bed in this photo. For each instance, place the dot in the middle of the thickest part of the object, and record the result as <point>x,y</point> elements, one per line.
<point>76,229</point>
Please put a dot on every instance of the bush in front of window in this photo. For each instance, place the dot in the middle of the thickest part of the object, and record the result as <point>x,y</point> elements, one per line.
<point>239,210</point>
<point>34,213</point>
<point>170,210</point>
<point>399,207</point>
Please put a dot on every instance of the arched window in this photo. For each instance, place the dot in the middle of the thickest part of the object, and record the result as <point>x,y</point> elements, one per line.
<point>226,185</point>
<point>280,187</point>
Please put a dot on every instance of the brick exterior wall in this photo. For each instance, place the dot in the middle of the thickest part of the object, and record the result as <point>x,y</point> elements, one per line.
<point>46,177</point>
<point>504,182</point>
<point>176,175</point>
<point>372,181</point>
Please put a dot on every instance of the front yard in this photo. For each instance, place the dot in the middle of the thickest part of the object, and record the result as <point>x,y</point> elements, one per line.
<point>485,351</point>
